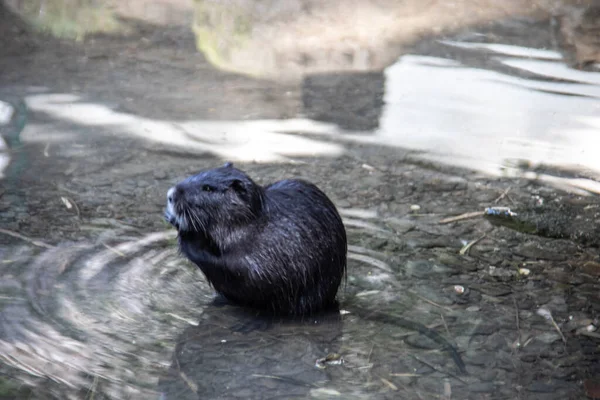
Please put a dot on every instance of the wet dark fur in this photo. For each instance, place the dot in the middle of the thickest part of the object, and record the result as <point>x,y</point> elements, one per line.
<point>280,248</point>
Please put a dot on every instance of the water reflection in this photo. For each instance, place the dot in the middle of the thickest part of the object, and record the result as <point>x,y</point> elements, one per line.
<point>492,122</point>
<point>6,114</point>
<point>69,19</point>
<point>231,355</point>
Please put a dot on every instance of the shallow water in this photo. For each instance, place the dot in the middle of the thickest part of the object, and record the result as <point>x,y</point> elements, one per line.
<point>443,117</point>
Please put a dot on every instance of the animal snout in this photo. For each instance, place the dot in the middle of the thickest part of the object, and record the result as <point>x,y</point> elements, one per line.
<point>175,195</point>
<point>171,195</point>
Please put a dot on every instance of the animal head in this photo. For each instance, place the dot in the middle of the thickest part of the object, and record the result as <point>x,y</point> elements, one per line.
<point>215,199</point>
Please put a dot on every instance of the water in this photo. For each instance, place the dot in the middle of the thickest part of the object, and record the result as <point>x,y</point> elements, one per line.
<point>460,108</point>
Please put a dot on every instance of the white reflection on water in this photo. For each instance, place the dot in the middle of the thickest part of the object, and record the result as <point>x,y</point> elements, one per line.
<point>464,116</point>
<point>479,118</point>
<point>252,140</point>
<point>6,113</point>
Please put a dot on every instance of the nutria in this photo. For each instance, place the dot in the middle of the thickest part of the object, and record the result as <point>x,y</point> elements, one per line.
<point>279,248</point>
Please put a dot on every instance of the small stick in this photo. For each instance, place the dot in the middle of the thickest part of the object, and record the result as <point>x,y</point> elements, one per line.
<point>25,238</point>
<point>518,323</point>
<point>461,217</point>
<point>546,314</point>
<point>370,353</point>
<point>438,370</point>
<point>92,389</point>
<point>433,303</point>
<point>445,325</point>
<point>193,387</point>
<point>465,249</point>
<point>389,384</point>
<point>447,390</point>
<point>120,253</point>
<point>67,201</point>
<point>503,195</point>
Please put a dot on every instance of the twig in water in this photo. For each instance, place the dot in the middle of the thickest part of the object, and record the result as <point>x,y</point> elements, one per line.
<point>92,389</point>
<point>461,217</point>
<point>518,323</point>
<point>120,253</point>
<point>503,195</point>
<point>68,202</point>
<point>193,387</point>
<point>467,247</point>
<point>25,238</point>
<point>426,300</point>
<point>447,390</point>
<point>389,384</point>
<point>445,325</point>
<point>438,370</point>
<point>546,314</point>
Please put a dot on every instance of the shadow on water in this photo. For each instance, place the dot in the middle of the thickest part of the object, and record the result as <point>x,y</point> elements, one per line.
<point>412,128</point>
<point>235,354</point>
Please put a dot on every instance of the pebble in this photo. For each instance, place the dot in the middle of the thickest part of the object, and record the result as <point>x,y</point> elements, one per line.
<point>160,174</point>
<point>425,268</point>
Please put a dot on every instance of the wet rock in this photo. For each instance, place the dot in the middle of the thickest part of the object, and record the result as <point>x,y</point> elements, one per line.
<point>432,294</point>
<point>485,329</point>
<point>548,337</point>
<point>562,276</point>
<point>423,243</point>
<point>445,184</point>
<point>401,226</point>
<point>502,274</point>
<point>534,251</point>
<point>549,386</point>
<point>459,262</point>
<point>488,375</point>
<point>496,341</point>
<point>525,314</point>
<point>591,268</point>
<point>425,268</point>
<point>160,175</point>
<point>482,387</point>
<point>473,357</point>
<point>421,342</point>
<point>493,289</point>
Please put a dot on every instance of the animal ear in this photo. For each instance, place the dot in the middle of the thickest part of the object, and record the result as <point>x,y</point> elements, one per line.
<point>238,186</point>
<point>228,164</point>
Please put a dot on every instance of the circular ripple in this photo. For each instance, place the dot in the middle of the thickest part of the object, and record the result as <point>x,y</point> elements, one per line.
<point>93,315</point>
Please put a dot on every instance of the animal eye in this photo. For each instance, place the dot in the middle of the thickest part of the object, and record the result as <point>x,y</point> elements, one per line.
<point>207,188</point>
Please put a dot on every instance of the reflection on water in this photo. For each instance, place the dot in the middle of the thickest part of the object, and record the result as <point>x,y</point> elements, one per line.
<point>6,114</point>
<point>69,18</point>
<point>479,118</point>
